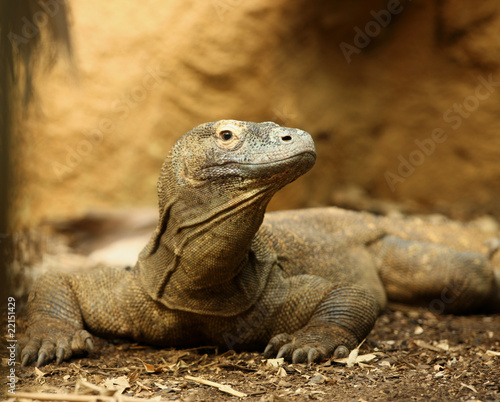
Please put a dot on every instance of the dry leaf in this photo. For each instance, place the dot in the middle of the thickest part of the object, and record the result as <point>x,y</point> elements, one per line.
<point>118,384</point>
<point>359,359</point>
<point>150,368</point>
<point>144,387</point>
<point>492,353</point>
<point>161,386</point>
<point>443,345</point>
<point>182,364</point>
<point>281,372</point>
<point>133,376</point>
<point>351,360</point>
<point>39,373</point>
<point>275,362</point>
<point>317,379</point>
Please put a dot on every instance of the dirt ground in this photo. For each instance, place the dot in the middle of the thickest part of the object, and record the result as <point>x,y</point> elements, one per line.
<point>411,354</point>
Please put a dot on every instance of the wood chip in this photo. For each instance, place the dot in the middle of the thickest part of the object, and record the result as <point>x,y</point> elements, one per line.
<point>133,376</point>
<point>469,386</point>
<point>359,359</point>
<point>118,384</point>
<point>43,396</point>
<point>275,362</point>
<point>224,388</point>
<point>39,373</point>
<point>92,387</point>
<point>425,345</point>
<point>230,366</point>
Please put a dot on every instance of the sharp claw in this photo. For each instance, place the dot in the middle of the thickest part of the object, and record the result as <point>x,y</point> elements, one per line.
<point>312,356</point>
<point>26,360</point>
<point>268,350</point>
<point>89,344</point>
<point>41,358</point>
<point>299,356</point>
<point>59,355</point>
<point>283,352</point>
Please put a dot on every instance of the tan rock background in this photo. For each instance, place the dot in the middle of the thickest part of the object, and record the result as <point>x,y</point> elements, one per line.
<point>149,71</point>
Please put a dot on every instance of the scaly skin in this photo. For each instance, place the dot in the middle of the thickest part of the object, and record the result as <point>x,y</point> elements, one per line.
<point>308,284</point>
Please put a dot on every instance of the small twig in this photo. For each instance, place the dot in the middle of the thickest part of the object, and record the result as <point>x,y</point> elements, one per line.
<point>89,386</point>
<point>42,396</point>
<point>59,397</point>
<point>422,344</point>
<point>224,388</point>
<point>230,366</point>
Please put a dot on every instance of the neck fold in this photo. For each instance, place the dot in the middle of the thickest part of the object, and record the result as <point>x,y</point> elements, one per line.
<point>204,256</point>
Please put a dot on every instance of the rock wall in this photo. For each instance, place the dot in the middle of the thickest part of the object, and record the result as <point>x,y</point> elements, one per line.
<point>402,98</point>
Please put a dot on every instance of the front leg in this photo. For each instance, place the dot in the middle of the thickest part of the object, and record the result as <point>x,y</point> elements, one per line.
<point>340,317</point>
<point>55,324</point>
<point>61,307</point>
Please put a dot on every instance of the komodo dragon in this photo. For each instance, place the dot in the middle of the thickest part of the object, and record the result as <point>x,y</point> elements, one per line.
<point>309,284</point>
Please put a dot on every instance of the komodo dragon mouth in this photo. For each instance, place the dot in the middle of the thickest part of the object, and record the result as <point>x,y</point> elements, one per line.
<point>307,159</point>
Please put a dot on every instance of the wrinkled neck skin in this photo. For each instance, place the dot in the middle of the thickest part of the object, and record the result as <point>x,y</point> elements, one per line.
<point>214,240</point>
<point>204,256</point>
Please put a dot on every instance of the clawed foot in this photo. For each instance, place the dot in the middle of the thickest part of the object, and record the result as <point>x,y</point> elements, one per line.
<point>311,344</point>
<point>44,343</point>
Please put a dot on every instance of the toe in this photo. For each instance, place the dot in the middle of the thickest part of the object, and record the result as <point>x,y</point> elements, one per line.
<point>46,353</point>
<point>275,344</point>
<point>63,351</point>
<point>26,359</point>
<point>82,341</point>
<point>285,352</point>
<point>299,356</point>
<point>313,355</point>
<point>89,345</point>
<point>269,351</point>
<point>341,352</point>
<point>42,357</point>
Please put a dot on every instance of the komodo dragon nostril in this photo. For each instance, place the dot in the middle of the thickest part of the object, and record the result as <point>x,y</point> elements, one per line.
<point>286,138</point>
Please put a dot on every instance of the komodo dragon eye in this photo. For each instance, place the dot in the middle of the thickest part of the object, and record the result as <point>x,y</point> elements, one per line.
<point>226,135</point>
<point>229,136</point>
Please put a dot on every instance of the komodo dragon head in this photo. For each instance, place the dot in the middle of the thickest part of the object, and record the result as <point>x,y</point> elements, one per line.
<point>213,189</point>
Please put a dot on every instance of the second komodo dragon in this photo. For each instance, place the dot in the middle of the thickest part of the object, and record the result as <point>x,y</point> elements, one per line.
<point>308,283</point>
